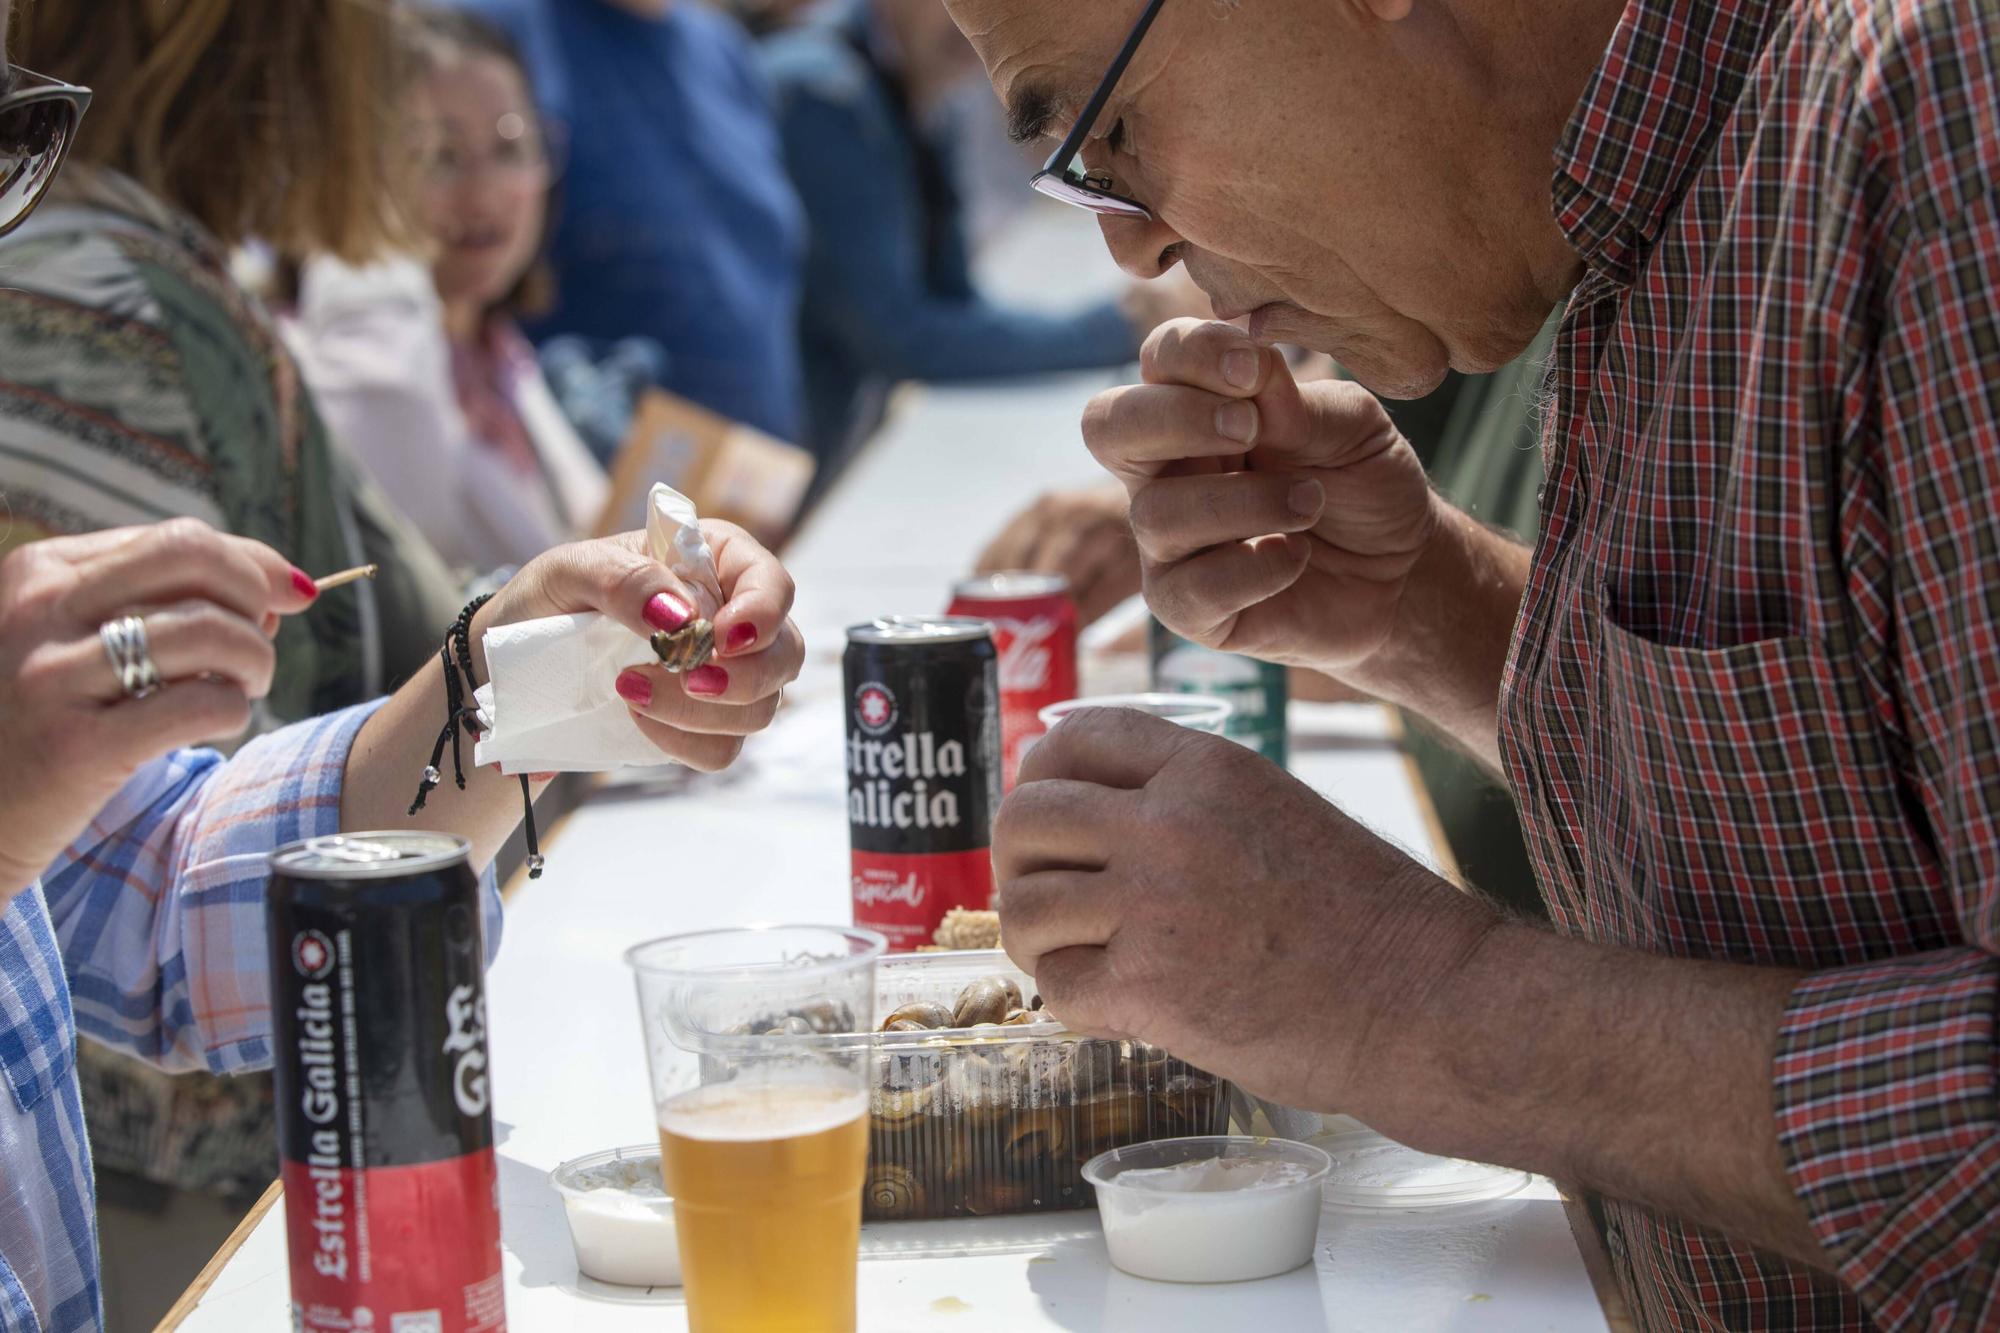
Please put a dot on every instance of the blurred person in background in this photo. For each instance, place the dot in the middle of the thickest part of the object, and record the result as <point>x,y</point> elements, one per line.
<point>763,17</point>
<point>889,296</point>
<point>139,382</point>
<point>678,223</point>
<point>420,370</point>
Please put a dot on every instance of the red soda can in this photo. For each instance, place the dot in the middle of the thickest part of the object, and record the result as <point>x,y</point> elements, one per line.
<point>385,1128</point>
<point>923,771</point>
<point>1034,629</point>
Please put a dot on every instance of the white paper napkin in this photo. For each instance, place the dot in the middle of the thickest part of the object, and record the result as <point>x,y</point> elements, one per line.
<point>551,705</point>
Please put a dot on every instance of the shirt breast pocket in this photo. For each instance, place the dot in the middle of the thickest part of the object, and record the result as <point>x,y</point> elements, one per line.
<point>1752,816</point>
<point>37,1026</point>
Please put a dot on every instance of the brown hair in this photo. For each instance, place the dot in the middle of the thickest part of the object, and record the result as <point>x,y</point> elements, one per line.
<point>259,118</point>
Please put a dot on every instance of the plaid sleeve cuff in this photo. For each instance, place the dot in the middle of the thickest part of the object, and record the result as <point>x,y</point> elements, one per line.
<point>277,789</point>
<point>1887,1115</point>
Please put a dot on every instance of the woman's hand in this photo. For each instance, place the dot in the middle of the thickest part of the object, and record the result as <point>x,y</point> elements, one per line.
<point>70,737</point>
<point>699,718</point>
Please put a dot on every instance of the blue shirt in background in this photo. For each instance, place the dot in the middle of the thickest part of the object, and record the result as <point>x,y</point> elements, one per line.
<point>889,293</point>
<point>676,221</point>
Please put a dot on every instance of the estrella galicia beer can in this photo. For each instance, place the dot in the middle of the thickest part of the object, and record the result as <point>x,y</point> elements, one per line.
<point>385,1132</point>
<point>923,770</point>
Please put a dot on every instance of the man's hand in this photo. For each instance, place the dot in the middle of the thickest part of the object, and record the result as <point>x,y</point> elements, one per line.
<point>1082,535</point>
<point>1145,890</point>
<point>1294,524</point>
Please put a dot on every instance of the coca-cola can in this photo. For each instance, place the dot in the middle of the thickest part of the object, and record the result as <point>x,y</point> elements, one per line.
<point>385,1131</point>
<point>923,770</point>
<point>1034,629</point>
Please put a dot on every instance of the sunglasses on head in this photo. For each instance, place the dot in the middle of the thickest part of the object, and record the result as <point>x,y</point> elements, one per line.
<point>1062,176</point>
<point>38,123</point>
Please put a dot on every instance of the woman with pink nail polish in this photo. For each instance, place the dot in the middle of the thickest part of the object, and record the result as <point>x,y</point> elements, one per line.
<point>140,379</point>
<point>122,648</point>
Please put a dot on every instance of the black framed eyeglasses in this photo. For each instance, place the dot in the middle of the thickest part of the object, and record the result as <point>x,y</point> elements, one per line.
<point>38,123</point>
<point>1062,176</point>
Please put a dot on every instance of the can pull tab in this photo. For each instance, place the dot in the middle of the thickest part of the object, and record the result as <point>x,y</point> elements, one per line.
<point>353,851</point>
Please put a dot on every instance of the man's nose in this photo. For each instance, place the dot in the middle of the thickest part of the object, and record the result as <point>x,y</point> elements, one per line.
<point>1143,247</point>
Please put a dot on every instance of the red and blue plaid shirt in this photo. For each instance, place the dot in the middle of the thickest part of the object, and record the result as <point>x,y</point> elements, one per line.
<point>147,934</point>
<point>1753,706</point>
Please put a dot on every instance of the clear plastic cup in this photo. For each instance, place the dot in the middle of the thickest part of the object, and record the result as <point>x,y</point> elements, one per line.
<point>765,1160</point>
<point>1196,712</point>
<point>1215,1208</point>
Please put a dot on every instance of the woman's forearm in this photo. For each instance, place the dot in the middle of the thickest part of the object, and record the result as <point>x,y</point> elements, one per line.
<point>387,762</point>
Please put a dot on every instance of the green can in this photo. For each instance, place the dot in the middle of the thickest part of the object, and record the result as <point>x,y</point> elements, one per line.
<point>1257,691</point>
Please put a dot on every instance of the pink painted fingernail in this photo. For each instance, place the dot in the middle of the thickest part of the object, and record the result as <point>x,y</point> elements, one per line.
<point>304,583</point>
<point>665,611</point>
<point>710,679</point>
<point>634,688</point>
<point>742,636</point>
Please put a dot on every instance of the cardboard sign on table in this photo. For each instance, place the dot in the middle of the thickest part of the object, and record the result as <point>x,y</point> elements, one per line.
<point>730,471</point>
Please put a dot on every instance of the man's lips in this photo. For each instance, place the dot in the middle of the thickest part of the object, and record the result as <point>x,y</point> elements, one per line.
<point>1256,314</point>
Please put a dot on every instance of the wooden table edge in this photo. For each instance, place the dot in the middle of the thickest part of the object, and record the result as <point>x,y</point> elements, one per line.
<point>191,1298</point>
<point>1447,860</point>
<point>1597,1265</point>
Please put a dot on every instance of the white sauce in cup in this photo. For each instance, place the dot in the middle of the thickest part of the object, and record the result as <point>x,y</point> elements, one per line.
<point>1216,1209</point>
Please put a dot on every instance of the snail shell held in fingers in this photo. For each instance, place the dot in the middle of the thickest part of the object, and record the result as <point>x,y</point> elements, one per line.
<point>686,648</point>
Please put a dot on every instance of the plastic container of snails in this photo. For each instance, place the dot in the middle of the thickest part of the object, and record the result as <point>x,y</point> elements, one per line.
<point>981,1104</point>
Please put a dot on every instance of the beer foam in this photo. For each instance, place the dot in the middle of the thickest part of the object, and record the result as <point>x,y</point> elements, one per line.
<point>750,1111</point>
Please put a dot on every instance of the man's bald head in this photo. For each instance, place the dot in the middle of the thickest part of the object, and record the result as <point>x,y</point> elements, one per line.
<point>1364,177</point>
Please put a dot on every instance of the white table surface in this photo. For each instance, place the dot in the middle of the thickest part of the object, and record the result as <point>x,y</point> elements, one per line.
<point>768,841</point>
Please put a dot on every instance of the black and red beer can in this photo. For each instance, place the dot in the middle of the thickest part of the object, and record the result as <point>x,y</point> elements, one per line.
<point>923,770</point>
<point>385,1128</point>
<point>1034,631</point>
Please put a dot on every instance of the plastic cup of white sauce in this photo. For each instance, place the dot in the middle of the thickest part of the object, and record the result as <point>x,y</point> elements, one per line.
<point>1218,1208</point>
<point>620,1218</point>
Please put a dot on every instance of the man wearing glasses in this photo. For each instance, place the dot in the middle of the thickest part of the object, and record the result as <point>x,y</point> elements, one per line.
<point>1746,688</point>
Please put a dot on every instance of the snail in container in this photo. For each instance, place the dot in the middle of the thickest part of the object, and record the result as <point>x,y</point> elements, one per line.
<point>893,1191</point>
<point>987,1000</point>
<point>980,1113</point>
<point>686,648</point>
<point>917,1017</point>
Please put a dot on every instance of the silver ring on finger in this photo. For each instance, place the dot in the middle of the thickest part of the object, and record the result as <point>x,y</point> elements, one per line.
<point>131,657</point>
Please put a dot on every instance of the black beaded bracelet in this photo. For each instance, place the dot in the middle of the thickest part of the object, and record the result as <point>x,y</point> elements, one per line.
<point>462,715</point>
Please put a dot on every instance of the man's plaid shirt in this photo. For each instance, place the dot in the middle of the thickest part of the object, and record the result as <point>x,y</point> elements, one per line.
<point>1753,706</point>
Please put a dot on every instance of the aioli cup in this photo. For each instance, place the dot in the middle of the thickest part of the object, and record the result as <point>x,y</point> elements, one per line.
<point>1208,1235</point>
<point>1196,712</point>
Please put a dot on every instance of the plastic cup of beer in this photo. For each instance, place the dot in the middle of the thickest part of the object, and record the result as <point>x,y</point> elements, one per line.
<point>1196,712</point>
<point>765,1159</point>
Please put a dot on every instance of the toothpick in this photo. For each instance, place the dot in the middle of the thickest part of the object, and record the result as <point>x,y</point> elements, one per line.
<point>345,577</point>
